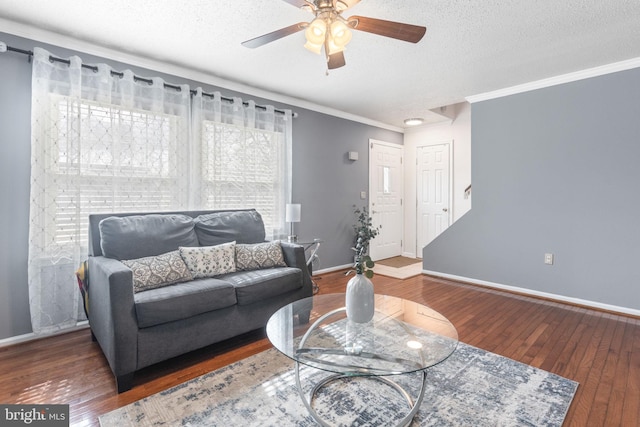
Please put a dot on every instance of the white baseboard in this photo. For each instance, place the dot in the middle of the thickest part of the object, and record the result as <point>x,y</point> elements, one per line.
<point>525,291</point>
<point>332,269</point>
<point>31,336</point>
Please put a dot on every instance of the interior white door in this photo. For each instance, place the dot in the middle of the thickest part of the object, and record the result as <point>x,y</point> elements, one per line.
<point>385,201</point>
<point>434,211</point>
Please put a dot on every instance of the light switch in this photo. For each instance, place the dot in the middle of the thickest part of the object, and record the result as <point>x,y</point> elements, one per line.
<point>548,259</point>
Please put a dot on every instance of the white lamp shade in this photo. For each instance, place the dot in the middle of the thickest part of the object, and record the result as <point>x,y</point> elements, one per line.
<point>333,48</point>
<point>315,32</point>
<point>315,48</point>
<point>340,34</point>
<point>292,212</point>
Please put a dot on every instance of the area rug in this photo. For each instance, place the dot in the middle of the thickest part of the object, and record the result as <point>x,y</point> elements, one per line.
<point>398,261</point>
<point>471,388</point>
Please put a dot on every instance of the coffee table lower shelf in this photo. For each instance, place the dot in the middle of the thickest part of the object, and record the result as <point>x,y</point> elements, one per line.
<point>308,399</point>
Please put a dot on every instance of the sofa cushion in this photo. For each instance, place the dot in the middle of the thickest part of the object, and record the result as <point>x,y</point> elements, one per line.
<point>157,271</point>
<point>259,255</point>
<point>258,285</point>
<point>228,226</point>
<point>209,261</point>
<point>138,236</point>
<point>183,300</point>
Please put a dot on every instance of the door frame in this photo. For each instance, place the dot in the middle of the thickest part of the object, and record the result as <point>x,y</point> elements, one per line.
<point>449,143</point>
<point>402,191</point>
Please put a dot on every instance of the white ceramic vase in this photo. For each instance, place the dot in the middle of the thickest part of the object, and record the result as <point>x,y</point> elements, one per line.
<point>360,299</point>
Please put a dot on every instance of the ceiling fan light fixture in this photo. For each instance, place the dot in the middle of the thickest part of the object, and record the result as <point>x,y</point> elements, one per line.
<point>315,34</point>
<point>313,47</point>
<point>340,33</point>
<point>316,31</point>
<point>414,121</point>
<point>332,47</point>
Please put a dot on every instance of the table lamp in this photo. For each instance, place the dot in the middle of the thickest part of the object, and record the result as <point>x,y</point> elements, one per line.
<point>292,215</point>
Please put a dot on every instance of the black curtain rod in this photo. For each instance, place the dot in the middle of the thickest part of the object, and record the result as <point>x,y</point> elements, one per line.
<point>25,52</point>
<point>94,68</point>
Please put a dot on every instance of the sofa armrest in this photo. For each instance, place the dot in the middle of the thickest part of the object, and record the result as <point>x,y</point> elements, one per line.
<point>294,257</point>
<point>112,314</point>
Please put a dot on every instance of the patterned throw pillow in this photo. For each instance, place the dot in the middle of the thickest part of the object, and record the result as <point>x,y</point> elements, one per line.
<point>259,255</point>
<point>157,271</point>
<point>209,261</point>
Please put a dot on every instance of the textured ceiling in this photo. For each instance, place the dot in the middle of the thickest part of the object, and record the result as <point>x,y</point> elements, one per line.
<point>470,47</point>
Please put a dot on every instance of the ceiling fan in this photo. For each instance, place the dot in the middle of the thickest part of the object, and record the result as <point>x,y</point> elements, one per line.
<point>331,31</point>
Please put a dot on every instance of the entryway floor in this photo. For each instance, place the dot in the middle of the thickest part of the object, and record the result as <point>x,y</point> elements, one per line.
<point>398,261</point>
<point>398,267</point>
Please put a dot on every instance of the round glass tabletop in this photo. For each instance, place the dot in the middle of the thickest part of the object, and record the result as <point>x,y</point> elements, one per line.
<point>402,337</point>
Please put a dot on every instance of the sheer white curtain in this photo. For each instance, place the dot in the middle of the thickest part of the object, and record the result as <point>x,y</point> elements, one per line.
<point>242,155</point>
<point>100,143</point>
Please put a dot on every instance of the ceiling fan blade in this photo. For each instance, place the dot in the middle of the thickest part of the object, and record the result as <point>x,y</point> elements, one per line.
<point>275,35</point>
<point>336,60</point>
<point>397,30</point>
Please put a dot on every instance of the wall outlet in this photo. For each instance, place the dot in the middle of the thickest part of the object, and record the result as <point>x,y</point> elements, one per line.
<point>363,195</point>
<point>548,259</point>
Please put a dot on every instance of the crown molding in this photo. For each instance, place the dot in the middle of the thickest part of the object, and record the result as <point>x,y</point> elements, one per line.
<point>59,40</point>
<point>558,80</point>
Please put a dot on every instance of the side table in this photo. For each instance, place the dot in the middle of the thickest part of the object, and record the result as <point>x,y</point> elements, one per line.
<point>311,253</point>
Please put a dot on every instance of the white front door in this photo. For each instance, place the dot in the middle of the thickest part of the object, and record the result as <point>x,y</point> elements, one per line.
<point>385,201</point>
<point>434,212</point>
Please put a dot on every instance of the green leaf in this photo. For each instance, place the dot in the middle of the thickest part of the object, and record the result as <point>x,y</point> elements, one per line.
<point>369,263</point>
<point>369,273</point>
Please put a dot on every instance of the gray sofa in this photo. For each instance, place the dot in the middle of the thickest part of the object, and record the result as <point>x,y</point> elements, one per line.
<point>136,329</point>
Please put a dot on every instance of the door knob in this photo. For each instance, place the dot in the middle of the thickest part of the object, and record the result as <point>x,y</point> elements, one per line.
<point>445,210</point>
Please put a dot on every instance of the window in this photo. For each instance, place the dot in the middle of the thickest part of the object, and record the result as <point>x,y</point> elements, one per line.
<point>386,180</point>
<point>244,168</point>
<point>105,141</point>
<point>109,159</point>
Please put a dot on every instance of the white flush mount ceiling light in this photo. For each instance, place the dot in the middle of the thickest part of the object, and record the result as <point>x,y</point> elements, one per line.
<point>415,121</point>
<point>331,31</point>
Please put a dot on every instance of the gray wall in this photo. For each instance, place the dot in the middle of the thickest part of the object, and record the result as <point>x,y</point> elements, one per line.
<point>327,184</point>
<point>554,170</point>
<point>15,160</point>
<point>324,182</point>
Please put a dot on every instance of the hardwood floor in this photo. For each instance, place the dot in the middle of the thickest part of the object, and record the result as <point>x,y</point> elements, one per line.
<point>599,350</point>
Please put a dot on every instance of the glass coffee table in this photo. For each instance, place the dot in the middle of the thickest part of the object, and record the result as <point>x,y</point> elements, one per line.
<point>403,337</point>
